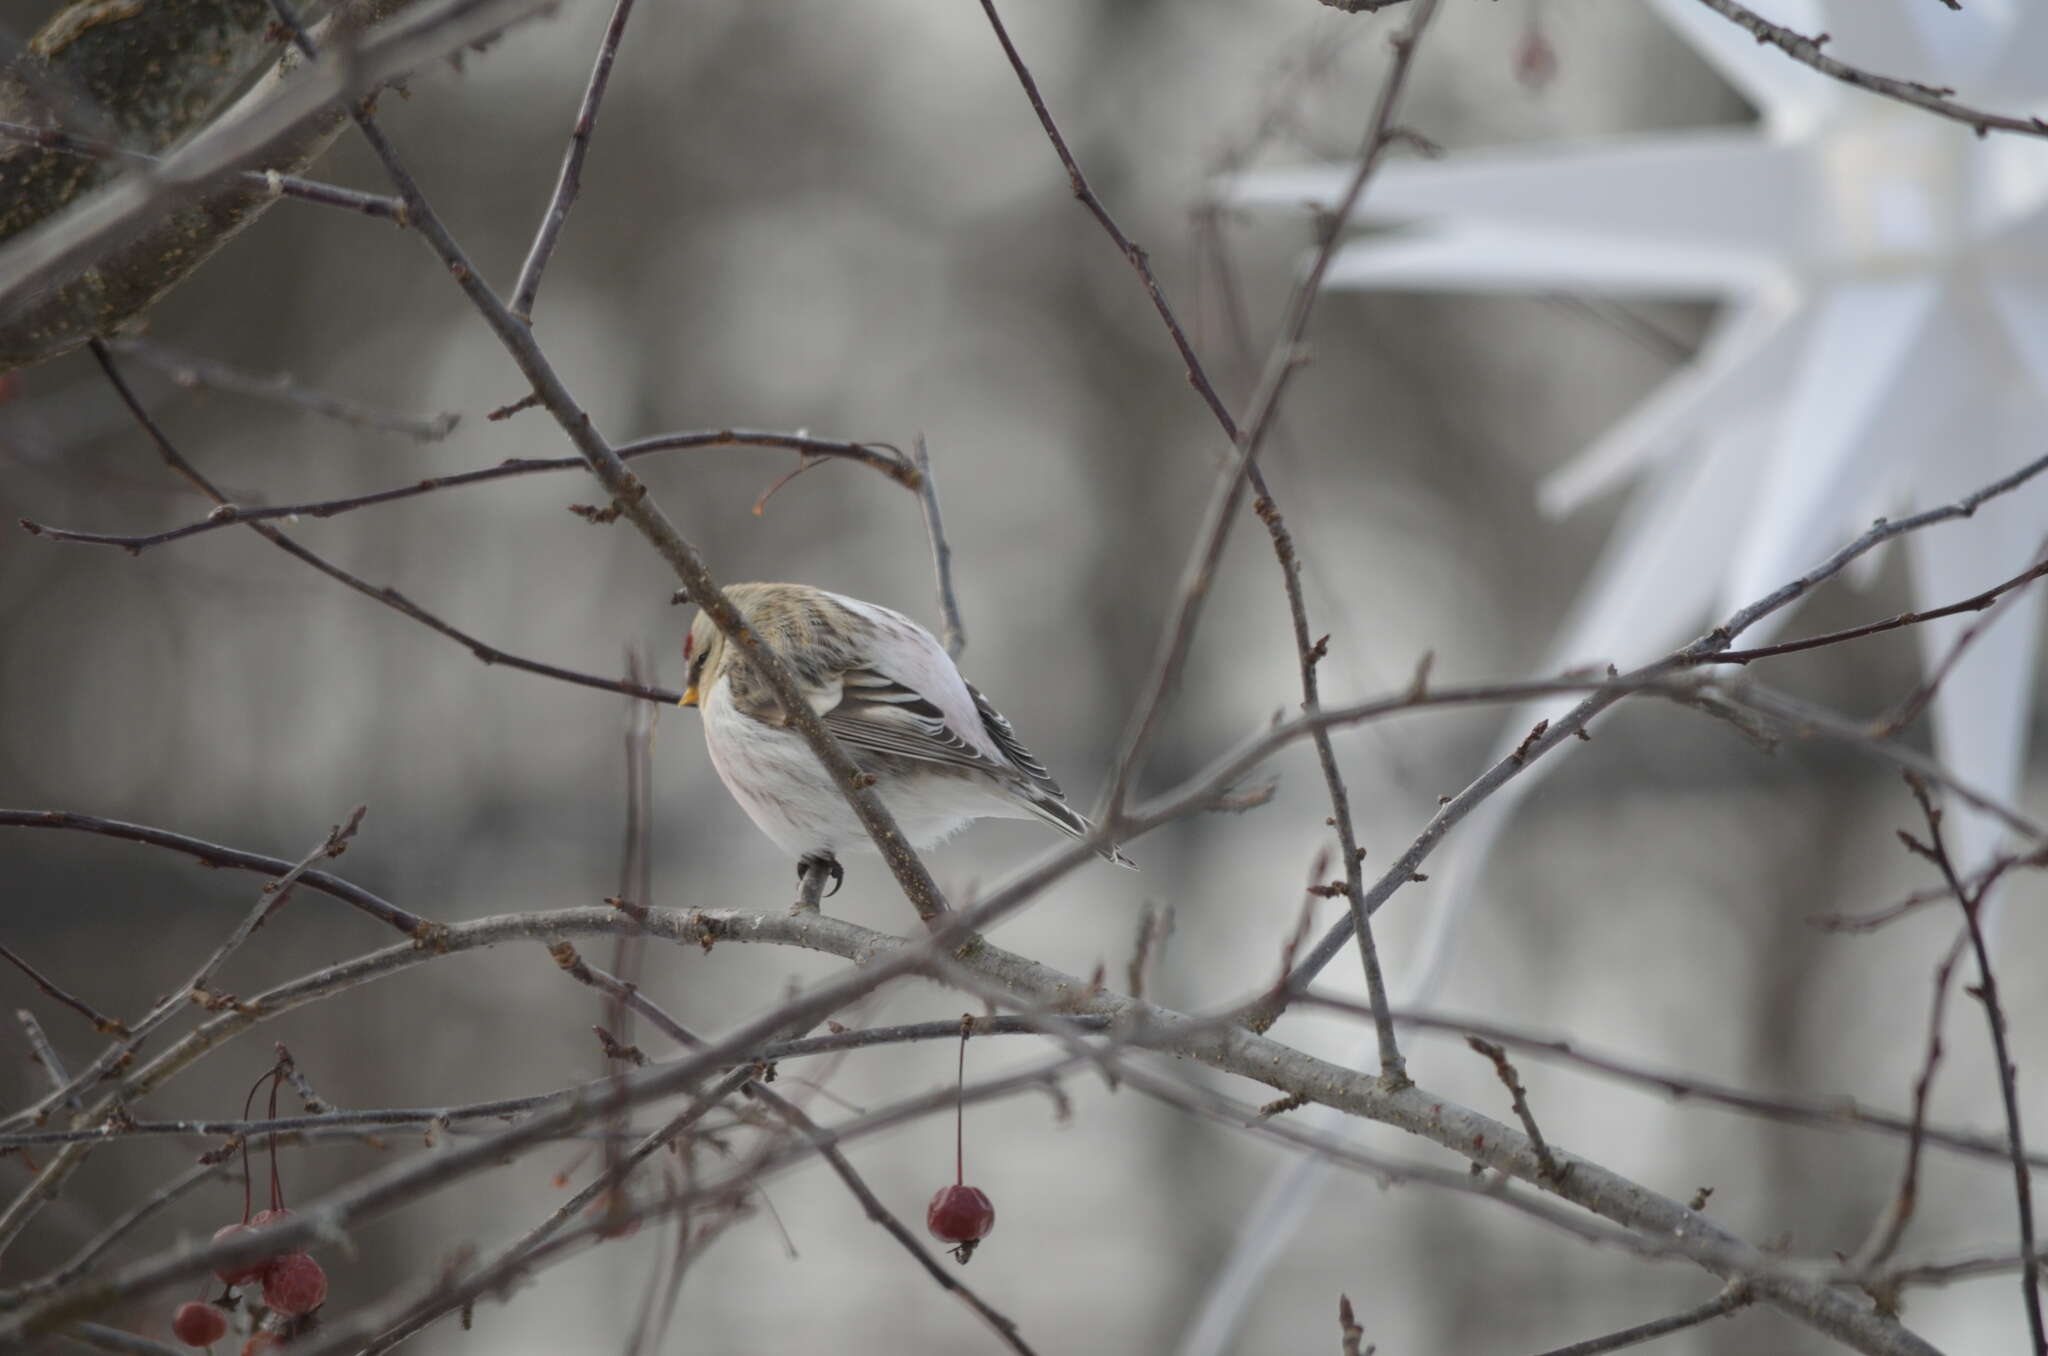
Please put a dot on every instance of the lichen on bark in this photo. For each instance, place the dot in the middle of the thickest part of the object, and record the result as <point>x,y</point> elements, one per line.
<point>149,74</point>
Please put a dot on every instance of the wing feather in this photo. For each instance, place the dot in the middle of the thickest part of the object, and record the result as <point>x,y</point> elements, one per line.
<point>881,715</point>
<point>1013,749</point>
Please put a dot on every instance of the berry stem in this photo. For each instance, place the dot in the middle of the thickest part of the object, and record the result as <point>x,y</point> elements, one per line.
<point>960,1110</point>
<point>247,1102</point>
<point>276,1186</point>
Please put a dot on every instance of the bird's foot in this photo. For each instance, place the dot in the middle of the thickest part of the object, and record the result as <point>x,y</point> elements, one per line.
<point>813,869</point>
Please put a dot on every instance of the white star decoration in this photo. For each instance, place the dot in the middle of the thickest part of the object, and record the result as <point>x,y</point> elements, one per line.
<point>1882,346</point>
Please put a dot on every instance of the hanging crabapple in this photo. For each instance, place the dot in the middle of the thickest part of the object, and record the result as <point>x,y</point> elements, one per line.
<point>960,1214</point>
<point>294,1285</point>
<point>244,1273</point>
<point>199,1324</point>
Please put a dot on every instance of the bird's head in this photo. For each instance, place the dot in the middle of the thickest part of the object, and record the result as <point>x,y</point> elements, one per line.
<point>703,656</point>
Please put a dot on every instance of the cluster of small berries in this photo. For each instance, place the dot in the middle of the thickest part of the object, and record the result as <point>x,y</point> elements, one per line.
<point>293,1285</point>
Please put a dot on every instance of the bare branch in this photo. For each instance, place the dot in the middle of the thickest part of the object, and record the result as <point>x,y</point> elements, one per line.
<point>1929,98</point>
<point>1735,1297</point>
<point>1891,1225</point>
<point>389,597</point>
<point>1935,849</point>
<point>195,373</point>
<point>1975,603</point>
<point>955,632</point>
<point>1221,1045</point>
<point>1201,567</point>
<point>1815,1112</point>
<point>24,1207</point>
<point>106,1026</point>
<point>45,1053</point>
<point>169,1193</point>
<point>1918,700</point>
<point>570,181</point>
<point>1546,1162</point>
<point>213,854</point>
<point>1572,722</point>
<point>1280,364</point>
<point>867,454</point>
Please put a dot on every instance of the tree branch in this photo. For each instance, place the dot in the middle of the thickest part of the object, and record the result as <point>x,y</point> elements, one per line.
<point>1929,98</point>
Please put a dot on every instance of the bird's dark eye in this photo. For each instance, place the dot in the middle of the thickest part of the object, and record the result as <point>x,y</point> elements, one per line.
<point>697,668</point>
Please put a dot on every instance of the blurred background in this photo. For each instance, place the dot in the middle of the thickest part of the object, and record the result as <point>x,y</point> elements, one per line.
<point>845,220</point>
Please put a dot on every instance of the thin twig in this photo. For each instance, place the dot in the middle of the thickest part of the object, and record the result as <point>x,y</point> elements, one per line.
<point>1918,899</point>
<point>1201,567</point>
<point>25,1206</point>
<point>169,1193</point>
<point>955,631</point>
<point>1815,1112</point>
<point>514,1257</point>
<point>213,854</point>
<point>45,1053</point>
<point>1812,722</point>
<point>1281,361</point>
<point>877,456</point>
<point>284,185</point>
<point>636,850</point>
<point>289,1069</point>
<point>1551,1170</point>
<point>195,373</point>
<point>1891,1225</point>
<point>1568,725</point>
<point>196,989</point>
<point>1917,701</point>
<point>1932,99</point>
<point>570,182</point>
<point>106,1026</point>
<point>389,597</point>
<point>1727,1302</point>
<point>1935,850</point>
<point>1975,603</point>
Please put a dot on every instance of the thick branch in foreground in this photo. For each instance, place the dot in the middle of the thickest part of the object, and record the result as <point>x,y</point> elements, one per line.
<point>130,226</point>
<point>156,72</point>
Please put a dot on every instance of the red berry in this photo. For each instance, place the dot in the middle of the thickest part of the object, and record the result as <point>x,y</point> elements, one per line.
<point>294,1285</point>
<point>199,1325</point>
<point>247,1272</point>
<point>960,1214</point>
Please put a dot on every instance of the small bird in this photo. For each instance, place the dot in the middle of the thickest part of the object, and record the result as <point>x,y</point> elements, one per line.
<point>939,754</point>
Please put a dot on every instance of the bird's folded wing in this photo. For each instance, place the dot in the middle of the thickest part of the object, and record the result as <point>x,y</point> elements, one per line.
<point>1006,739</point>
<point>881,715</point>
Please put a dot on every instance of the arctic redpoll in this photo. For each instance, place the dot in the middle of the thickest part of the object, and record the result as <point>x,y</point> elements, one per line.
<point>939,753</point>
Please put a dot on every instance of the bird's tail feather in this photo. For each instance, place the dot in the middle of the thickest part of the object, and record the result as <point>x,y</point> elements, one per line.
<point>1062,817</point>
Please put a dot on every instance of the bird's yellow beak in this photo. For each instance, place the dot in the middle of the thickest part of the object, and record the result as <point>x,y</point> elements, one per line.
<point>689,696</point>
